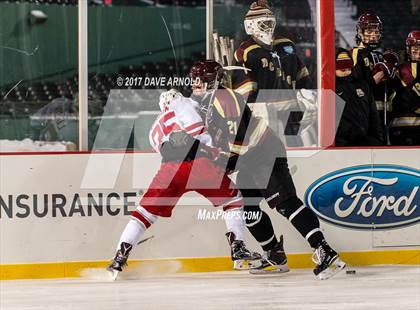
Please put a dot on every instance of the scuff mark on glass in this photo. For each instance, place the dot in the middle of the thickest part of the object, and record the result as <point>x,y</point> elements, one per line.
<point>109,54</point>
<point>21,51</point>
<point>172,43</point>
<point>7,94</point>
<point>120,19</point>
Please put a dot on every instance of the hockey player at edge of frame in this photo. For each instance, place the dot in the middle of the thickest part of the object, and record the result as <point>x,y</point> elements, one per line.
<point>187,155</point>
<point>405,127</point>
<point>259,156</point>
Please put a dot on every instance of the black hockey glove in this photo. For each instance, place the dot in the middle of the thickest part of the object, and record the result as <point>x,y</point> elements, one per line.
<point>180,139</point>
<point>180,147</point>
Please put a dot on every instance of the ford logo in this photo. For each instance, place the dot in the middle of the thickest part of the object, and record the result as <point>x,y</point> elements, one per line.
<point>367,197</point>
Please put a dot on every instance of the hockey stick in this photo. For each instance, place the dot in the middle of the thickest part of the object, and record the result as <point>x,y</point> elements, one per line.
<point>236,68</point>
<point>144,240</point>
<point>224,51</point>
<point>216,47</point>
<point>231,50</point>
<point>385,114</point>
<point>216,86</point>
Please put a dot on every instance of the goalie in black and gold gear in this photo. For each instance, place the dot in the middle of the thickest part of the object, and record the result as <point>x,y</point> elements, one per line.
<point>272,61</point>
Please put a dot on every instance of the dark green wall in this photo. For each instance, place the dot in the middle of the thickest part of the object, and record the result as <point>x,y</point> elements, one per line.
<point>38,50</point>
<point>117,36</point>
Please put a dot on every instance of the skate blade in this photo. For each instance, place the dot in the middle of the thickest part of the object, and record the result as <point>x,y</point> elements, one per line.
<point>246,264</point>
<point>240,264</point>
<point>332,270</point>
<point>270,270</point>
<point>113,273</point>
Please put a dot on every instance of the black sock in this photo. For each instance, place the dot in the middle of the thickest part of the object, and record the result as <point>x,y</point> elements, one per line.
<point>305,221</point>
<point>261,228</point>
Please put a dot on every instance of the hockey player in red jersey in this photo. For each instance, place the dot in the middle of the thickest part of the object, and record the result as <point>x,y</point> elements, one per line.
<point>188,164</point>
<point>259,156</point>
<point>405,127</point>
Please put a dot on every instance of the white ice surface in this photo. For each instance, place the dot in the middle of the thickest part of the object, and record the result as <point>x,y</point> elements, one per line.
<point>386,287</point>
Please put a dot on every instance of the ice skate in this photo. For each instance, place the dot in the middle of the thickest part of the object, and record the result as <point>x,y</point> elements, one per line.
<point>274,261</point>
<point>120,260</point>
<point>242,257</point>
<point>327,261</point>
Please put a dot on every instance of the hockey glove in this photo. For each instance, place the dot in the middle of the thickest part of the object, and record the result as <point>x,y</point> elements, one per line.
<point>387,68</point>
<point>180,139</point>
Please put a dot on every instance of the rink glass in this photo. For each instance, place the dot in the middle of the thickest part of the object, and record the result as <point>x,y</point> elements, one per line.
<point>38,76</point>
<point>133,52</point>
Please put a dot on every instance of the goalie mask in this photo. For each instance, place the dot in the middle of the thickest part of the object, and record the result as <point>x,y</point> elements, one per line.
<point>260,22</point>
<point>413,46</point>
<point>166,98</point>
<point>206,76</point>
<point>369,30</point>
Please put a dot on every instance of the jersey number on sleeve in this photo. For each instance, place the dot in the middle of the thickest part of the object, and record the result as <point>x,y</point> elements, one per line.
<point>233,127</point>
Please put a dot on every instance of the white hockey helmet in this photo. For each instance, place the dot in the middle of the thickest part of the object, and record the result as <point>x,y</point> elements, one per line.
<point>260,22</point>
<point>166,98</point>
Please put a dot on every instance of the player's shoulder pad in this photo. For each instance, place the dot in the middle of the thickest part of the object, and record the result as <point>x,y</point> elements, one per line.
<point>285,44</point>
<point>182,104</point>
<point>242,53</point>
<point>356,54</point>
<point>227,103</point>
<point>176,103</point>
<point>406,73</point>
<point>282,41</point>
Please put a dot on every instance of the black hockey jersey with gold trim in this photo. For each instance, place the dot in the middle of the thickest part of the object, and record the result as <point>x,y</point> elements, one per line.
<point>405,127</point>
<point>278,68</point>
<point>364,60</point>
<point>231,124</point>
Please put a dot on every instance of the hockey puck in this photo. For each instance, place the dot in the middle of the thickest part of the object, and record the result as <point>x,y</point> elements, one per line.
<point>350,271</point>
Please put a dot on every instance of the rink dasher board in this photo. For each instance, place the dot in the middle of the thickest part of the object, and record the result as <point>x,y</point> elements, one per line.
<point>100,190</point>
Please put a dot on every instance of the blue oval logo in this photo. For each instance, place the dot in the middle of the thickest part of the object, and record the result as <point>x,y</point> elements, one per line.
<point>367,197</point>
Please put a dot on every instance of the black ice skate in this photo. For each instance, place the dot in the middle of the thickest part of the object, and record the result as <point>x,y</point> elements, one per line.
<point>242,257</point>
<point>120,260</point>
<point>327,261</point>
<point>274,261</point>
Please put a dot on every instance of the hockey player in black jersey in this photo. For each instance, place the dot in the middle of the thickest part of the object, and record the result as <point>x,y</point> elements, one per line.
<point>360,124</point>
<point>271,60</point>
<point>372,66</point>
<point>259,156</point>
<point>271,64</point>
<point>405,127</point>
<point>369,30</point>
